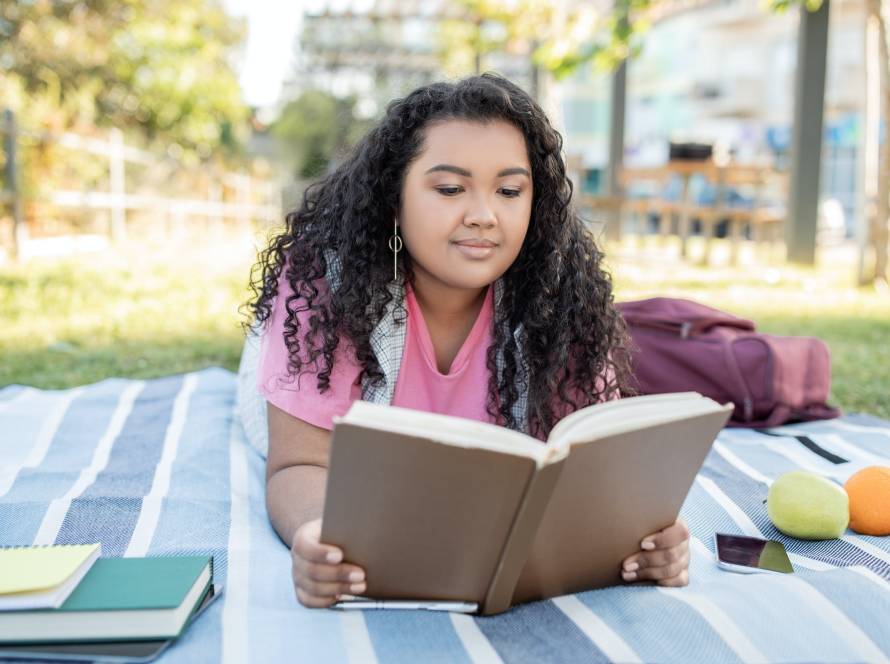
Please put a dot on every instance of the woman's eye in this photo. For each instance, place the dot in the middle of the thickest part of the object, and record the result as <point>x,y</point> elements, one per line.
<point>449,191</point>
<point>510,193</point>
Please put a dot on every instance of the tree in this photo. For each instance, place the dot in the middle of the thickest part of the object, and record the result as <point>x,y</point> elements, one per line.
<point>558,36</point>
<point>877,185</point>
<point>157,68</point>
<point>315,129</point>
<point>604,41</point>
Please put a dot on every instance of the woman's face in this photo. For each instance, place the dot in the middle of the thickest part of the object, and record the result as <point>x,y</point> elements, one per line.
<point>466,202</point>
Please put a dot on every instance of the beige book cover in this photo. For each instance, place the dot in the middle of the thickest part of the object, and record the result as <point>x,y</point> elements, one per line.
<point>435,507</point>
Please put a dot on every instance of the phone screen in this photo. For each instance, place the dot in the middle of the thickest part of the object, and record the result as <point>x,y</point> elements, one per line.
<point>752,552</point>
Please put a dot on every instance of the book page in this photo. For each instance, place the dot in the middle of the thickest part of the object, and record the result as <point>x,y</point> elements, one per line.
<point>450,430</point>
<point>609,418</point>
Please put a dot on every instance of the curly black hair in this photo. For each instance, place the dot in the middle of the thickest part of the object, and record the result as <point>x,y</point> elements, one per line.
<point>556,288</point>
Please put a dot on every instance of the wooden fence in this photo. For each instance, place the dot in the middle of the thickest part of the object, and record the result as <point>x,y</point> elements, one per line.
<point>254,199</point>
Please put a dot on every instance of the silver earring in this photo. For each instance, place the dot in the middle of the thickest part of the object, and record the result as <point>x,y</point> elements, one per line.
<point>395,245</point>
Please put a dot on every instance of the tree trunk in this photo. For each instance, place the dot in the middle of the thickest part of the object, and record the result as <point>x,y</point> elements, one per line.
<point>883,216</point>
<point>878,210</point>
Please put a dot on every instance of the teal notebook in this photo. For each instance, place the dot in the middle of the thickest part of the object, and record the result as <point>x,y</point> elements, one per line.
<point>119,599</point>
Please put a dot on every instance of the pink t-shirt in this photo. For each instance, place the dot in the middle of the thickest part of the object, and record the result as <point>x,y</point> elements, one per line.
<point>463,391</point>
<point>421,386</point>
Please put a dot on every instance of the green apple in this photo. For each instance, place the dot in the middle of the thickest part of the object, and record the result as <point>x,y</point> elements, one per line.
<point>805,505</point>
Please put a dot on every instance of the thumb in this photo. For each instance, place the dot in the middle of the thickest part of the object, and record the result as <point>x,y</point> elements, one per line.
<point>312,530</point>
<point>307,543</point>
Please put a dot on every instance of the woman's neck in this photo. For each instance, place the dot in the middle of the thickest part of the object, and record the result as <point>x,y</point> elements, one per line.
<point>449,314</point>
<point>445,304</point>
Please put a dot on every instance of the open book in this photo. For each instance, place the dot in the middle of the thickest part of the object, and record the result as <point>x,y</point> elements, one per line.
<point>436,507</point>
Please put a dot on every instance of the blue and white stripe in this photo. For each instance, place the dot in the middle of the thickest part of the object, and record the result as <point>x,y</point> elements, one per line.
<point>162,466</point>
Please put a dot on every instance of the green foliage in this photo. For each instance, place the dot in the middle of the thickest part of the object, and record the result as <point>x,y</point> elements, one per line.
<point>158,68</point>
<point>315,129</point>
<point>490,26</point>
<point>559,36</point>
<point>152,309</point>
<point>781,6</point>
<point>619,36</point>
<point>148,308</point>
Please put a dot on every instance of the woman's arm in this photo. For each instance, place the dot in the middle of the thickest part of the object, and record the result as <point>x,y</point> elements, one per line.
<point>296,472</point>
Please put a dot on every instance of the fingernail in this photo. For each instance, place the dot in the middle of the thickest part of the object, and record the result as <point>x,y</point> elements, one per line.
<point>648,545</point>
<point>631,567</point>
<point>335,556</point>
<point>357,587</point>
<point>356,576</point>
<point>629,576</point>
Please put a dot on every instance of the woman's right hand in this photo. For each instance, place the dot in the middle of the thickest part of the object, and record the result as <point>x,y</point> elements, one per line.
<point>318,571</point>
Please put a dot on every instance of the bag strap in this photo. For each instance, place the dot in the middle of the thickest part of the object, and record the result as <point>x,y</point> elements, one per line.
<point>688,328</point>
<point>735,372</point>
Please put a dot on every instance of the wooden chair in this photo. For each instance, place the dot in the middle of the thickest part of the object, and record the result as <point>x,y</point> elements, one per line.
<point>654,182</point>
<point>763,217</point>
<point>766,215</point>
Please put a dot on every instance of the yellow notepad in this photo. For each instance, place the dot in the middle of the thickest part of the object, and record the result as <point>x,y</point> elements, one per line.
<point>35,576</point>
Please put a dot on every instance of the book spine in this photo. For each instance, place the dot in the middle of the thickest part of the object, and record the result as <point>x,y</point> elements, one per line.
<point>519,540</point>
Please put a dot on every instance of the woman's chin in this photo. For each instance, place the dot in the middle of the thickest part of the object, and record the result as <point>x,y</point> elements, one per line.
<point>466,280</point>
<point>466,274</point>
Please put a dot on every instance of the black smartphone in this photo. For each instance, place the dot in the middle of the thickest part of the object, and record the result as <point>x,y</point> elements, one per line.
<point>740,553</point>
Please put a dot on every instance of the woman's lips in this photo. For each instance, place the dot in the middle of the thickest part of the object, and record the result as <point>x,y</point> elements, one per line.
<point>476,248</point>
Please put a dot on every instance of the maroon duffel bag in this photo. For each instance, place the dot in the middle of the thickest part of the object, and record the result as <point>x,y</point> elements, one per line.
<point>680,345</point>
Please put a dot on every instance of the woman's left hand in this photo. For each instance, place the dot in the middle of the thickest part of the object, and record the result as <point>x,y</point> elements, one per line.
<point>664,557</point>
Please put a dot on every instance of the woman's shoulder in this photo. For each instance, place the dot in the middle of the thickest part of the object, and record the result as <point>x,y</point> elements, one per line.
<point>299,395</point>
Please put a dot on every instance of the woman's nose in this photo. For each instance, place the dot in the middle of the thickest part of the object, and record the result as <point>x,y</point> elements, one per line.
<point>481,214</point>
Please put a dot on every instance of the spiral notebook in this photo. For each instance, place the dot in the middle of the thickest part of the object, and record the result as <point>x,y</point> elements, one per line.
<point>42,577</point>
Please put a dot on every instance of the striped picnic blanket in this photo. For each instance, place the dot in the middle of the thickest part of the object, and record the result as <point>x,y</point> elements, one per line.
<point>162,466</point>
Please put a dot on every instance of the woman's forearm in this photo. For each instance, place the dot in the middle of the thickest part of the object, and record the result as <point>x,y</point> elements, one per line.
<point>295,495</point>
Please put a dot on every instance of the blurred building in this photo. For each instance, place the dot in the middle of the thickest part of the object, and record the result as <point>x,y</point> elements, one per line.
<point>722,72</point>
<point>382,49</point>
<point>713,71</point>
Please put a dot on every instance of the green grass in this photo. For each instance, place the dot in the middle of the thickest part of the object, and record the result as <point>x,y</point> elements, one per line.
<point>141,313</point>
<point>152,309</point>
<point>820,302</point>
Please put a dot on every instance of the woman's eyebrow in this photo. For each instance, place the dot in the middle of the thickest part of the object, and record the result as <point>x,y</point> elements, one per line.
<point>516,170</point>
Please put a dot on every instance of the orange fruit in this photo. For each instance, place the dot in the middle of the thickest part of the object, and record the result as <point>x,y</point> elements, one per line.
<point>869,491</point>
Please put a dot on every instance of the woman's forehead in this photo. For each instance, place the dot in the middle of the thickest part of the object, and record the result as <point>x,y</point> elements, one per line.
<point>493,144</point>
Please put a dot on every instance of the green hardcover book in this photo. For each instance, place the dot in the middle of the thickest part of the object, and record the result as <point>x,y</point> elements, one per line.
<point>120,599</point>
